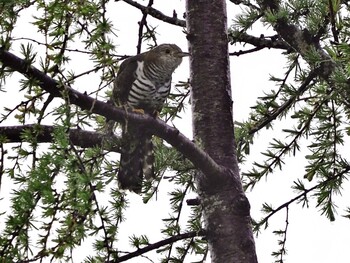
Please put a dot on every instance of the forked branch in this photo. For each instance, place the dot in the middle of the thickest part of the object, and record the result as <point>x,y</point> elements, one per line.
<point>157,14</point>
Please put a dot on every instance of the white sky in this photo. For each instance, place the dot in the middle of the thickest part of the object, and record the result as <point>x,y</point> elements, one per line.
<point>311,237</point>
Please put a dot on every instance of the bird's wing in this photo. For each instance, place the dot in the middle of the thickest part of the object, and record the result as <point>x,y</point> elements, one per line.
<point>124,80</point>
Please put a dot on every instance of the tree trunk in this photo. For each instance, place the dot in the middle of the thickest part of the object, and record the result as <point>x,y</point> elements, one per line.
<point>226,210</point>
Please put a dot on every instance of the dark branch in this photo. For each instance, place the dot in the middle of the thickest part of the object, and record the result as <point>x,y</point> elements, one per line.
<point>157,14</point>
<point>158,127</point>
<point>43,133</point>
<point>246,3</point>
<point>243,52</point>
<point>142,24</point>
<point>193,202</point>
<point>301,40</point>
<point>259,42</point>
<point>159,244</point>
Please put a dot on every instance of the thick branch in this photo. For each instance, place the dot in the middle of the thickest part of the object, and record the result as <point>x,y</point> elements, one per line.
<point>157,14</point>
<point>156,126</point>
<point>81,138</point>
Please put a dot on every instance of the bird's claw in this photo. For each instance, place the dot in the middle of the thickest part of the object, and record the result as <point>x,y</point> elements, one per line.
<point>140,111</point>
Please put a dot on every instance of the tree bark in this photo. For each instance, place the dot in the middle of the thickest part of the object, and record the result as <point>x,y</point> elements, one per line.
<point>226,210</point>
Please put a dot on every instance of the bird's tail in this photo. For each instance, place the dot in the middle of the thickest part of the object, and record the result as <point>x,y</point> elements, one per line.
<point>136,161</point>
<point>148,159</point>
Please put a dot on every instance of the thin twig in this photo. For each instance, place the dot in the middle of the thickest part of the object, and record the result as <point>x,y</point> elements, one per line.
<point>303,87</point>
<point>157,14</point>
<point>159,244</point>
<point>305,192</point>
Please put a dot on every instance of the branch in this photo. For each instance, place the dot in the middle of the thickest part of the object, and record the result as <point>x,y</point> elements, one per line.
<point>143,23</point>
<point>197,156</point>
<point>246,3</point>
<point>81,138</point>
<point>243,52</point>
<point>159,244</point>
<point>303,87</point>
<point>305,192</point>
<point>156,14</point>
<point>300,40</point>
<point>259,42</point>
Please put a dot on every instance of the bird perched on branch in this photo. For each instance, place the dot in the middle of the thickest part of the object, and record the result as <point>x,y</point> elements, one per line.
<point>142,85</point>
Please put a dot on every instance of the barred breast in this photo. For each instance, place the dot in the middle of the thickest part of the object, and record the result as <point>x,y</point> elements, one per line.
<point>149,90</point>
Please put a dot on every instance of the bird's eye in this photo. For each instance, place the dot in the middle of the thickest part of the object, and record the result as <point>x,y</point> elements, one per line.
<point>167,51</point>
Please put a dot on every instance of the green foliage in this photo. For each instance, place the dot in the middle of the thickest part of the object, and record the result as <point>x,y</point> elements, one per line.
<point>177,101</point>
<point>318,109</point>
<point>313,107</point>
<point>64,196</point>
<point>246,19</point>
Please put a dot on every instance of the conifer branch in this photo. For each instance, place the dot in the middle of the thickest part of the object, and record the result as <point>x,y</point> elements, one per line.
<point>301,40</point>
<point>159,244</point>
<point>303,195</point>
<point>303,87</point>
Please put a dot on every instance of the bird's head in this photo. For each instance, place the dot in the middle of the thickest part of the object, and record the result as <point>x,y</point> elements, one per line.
<point>169,55</point>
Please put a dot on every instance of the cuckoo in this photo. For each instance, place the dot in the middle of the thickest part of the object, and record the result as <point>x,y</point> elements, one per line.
<point>142,85</point>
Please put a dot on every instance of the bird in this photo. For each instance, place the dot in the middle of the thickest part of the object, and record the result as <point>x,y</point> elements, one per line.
<point>142,85</point>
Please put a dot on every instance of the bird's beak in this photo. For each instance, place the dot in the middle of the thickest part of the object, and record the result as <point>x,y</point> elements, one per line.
<point>183,54</point>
